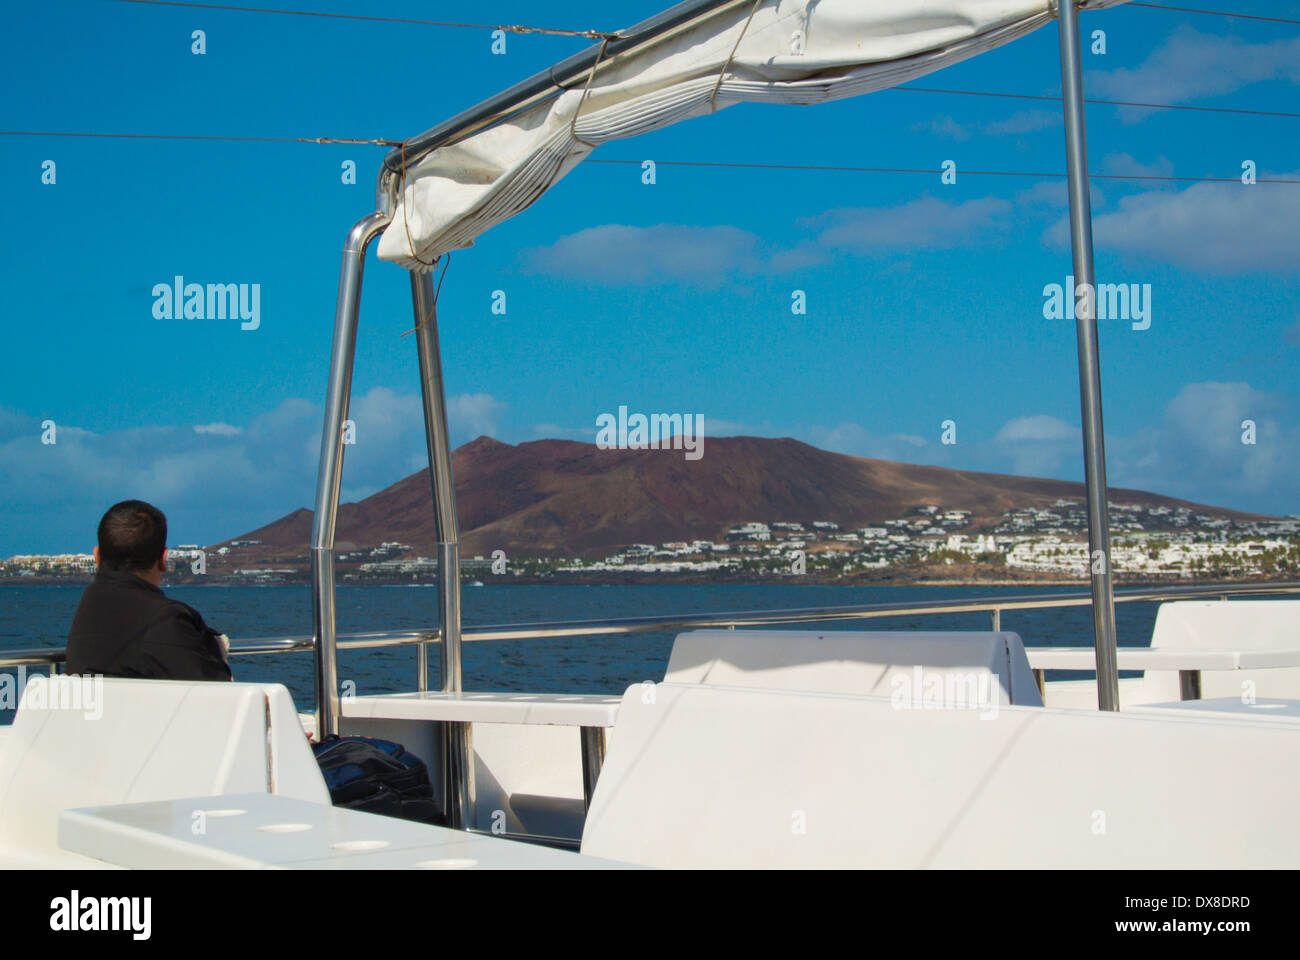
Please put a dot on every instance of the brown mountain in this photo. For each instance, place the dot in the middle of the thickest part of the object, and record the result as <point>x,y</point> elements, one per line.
<point>552,497</point>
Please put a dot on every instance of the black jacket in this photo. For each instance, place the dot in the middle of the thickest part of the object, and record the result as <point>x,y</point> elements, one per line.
<point>127,627</point>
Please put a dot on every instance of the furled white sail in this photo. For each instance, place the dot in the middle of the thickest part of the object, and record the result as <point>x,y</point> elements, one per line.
<point>772,51</point>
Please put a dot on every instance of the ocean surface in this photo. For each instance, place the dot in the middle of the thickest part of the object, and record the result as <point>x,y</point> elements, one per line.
<point>39,616</point>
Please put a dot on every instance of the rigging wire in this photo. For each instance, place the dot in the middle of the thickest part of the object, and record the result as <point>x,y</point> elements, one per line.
<point>933,170</point>
<point>1211,13</point>
<point>593,34</point>
<point>508,28</point>
<point>383,142</point>
<point>666,163</point>
<point>377,141</point>
<point>1112,103</point>
<point>598,35</point>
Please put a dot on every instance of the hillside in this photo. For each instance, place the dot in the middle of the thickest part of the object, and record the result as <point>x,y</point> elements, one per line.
<point>561,497</point>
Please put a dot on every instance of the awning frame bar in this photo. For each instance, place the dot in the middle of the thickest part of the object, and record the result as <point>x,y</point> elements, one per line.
<point>457,755</point>
<point>539,87</point>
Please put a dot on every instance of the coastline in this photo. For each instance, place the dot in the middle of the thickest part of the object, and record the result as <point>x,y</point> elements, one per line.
<point>605,578</point>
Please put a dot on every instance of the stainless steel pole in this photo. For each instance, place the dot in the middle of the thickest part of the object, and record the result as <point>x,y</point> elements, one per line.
<point>329,475</point>
<point>1094,449</point>
<point>457,742</point>
<point>593,758</point>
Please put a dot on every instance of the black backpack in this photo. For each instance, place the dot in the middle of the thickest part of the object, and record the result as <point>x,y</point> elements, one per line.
<point>377,776</point>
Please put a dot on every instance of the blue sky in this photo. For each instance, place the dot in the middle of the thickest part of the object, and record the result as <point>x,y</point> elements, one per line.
<point>924,299</point>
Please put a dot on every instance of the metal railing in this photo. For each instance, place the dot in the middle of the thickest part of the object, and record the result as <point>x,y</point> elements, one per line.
<point>54,656</point>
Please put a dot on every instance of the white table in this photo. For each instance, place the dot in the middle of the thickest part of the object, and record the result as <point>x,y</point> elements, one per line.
<point>1188,663</point>
<point>590,713</point>
<point>1284,711</point>
<point>262,830</point>
<point>568,710</point>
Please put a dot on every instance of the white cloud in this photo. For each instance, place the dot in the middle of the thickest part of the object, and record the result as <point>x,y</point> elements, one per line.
<point>806,254</point>
<point>925,223</point>
<point>1038,445</point>
<point>945,128</point>
<point>619,254</point>
<point>1036,428</point>
<point>548,431</point>
<point>14,424</point>
<point>1192,450</point>
<point>212,483</point>
<point>169,466</point>
<point>854,439</point>
<point>1047,193</point>
<point>710,256</point>
<point>389,441</point>
<point>217,429</point>
<point>1123,165</point>
<point>1054,193</point>
<point>474,415</point>
<point>1024,121</point>
<point>1196,451</point>
<point>1190,65</point>
<point>554,431</point>
<point>217,485</point>
<point>1214,227</point>
<point>1020,122</point>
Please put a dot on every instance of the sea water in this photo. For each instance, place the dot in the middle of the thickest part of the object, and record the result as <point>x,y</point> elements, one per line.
<point>39,616</point>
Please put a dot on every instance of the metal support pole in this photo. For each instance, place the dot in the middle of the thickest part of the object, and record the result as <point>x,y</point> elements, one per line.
<point>1094,451</point>
<point>457,739</point>
<point>422,667</point>
<point>593,758</point>
<point>997,621</point>
<point>329,475</point>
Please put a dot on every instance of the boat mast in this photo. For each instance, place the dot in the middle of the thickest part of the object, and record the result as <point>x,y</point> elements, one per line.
<point>1094,448</point>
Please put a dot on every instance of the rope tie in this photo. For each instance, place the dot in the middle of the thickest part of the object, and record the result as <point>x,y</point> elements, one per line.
<point>713,108</point>
<point>406,220</point>
<point>446,258</point>
<point>591,75</point>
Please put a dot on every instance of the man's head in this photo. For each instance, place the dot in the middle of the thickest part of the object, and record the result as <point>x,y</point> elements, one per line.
<point>133,539</point>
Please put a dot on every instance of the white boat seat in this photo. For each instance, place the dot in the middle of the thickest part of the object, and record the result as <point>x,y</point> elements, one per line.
<point>82,742</point>
<point>533,776</point>
<point>1226,625</point>
<point>705,776</point>
<point>876,663</point>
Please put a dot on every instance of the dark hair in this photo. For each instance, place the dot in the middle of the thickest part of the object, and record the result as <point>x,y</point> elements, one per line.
<point>132,536</point>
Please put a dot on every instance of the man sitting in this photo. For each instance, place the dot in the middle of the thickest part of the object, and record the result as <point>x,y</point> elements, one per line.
<point>125,625</point>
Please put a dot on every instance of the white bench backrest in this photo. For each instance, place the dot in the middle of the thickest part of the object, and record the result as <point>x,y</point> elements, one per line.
<point>876,663</point>
<point>80,742</point>
<point>1226,625</point>
<point>705,776</point>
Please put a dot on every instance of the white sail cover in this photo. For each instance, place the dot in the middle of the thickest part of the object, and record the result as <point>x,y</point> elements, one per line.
<point>791,51</point>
